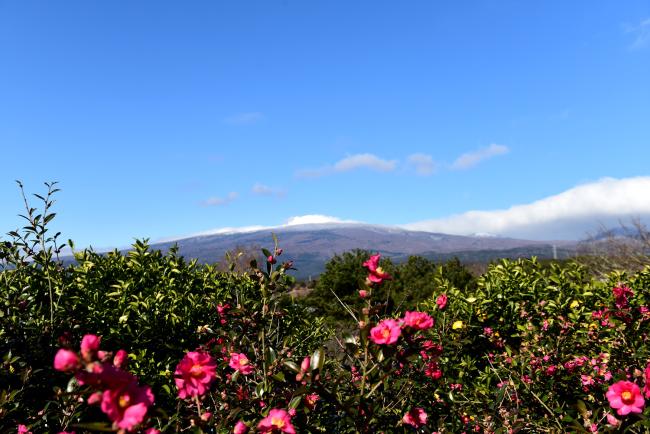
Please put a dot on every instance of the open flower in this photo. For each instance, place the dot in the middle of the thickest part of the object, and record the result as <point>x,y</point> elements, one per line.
<point>375,273</point>
<point>418,320</point>
<point>625,397</point>
<point>194,374</point>
<point>415,417</point>
<point>386,332</point>
<point>622,295</point>
<point>278,420</point>
<point>127,405</point>
<point>239,362</point>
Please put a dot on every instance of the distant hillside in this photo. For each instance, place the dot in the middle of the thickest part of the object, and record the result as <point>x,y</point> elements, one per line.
<point>311,246</point>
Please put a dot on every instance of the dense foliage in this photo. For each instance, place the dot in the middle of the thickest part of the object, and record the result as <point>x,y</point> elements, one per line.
<point>149,342</point>
<point>414,281</point>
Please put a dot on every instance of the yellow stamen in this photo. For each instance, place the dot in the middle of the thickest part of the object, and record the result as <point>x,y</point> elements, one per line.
<point>124,401</point>
<point>626,396</point>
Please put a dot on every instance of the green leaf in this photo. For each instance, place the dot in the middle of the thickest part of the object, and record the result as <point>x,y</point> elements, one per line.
<point>295,402</point>
<point>291,365</point>
<point>317,359</point>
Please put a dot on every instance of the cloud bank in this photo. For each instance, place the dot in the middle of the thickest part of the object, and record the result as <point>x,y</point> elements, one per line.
<point>420,163</point>
<point>568,215</point>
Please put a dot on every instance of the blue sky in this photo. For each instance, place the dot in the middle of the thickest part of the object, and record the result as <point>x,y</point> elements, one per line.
<point>164,118</point>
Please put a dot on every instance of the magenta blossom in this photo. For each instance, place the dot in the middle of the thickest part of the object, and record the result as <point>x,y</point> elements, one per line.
<point>622,295</point>
<point>441,301</point>
<point>66,361</point>
<point>386,332</point>
<point>194,373</point>
<point>278,420</point>
<point>127,405</point>
<point>375,273</point>
<point>416,417</point>
<point>90,346</point>
<point>240,428</point>
<point>418,320</point>
<point>625,397</point>
<point>239,362</point>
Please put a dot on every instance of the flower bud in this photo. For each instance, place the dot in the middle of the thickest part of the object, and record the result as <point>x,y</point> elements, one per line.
<point>120,359</point>
<point>66,361</point>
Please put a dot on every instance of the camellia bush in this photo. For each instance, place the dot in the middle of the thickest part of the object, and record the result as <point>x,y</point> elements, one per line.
<point>148,342</point>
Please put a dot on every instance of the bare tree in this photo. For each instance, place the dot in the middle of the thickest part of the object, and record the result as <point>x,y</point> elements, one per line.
<point>626,247</point>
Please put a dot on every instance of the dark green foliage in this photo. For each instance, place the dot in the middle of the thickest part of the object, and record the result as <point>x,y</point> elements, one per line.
<point>344,275</point>
<point>413,281</point>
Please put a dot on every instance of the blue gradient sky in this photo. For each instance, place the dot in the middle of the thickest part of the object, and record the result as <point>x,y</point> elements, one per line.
<point>163,118</point>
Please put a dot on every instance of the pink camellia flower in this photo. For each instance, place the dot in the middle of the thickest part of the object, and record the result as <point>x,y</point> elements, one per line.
<point>127,405</point>
<point>363,293</point>
<point>386,332</point>
<point>120,359</point>
<point>89,346</point>
<point>376,273</point>
<point>22,429</point>
<point>278,420</point>
<point>152,431</point>
<point>621,296</point>
<point>311,400</point>
<point>441,301</point>
<point>66,361</point>
<point>240,428</point>
<point>239,362</point>
<point>223,308</point>
<point>625,397</point>
<point>432,370</point>
<point>418,320</point>
<point>194,373</point>
<point>416,417</point>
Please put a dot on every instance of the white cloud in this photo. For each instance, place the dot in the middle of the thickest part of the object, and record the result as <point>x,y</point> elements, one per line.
<point>364,160</point>
<point>220,201</point>
<point>471,159</point>
<point>422,163</point>
<point>244,118</point>
<point>264,190</point>
<point>641,33</point>
<point>349,163</point>
<point>311,219</point>
<point>570,214</point>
